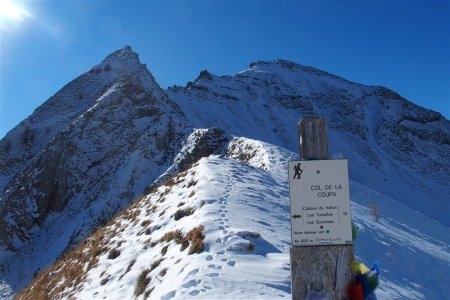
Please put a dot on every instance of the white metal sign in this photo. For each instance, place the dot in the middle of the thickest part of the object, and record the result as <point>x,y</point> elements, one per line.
<point>320,202</point>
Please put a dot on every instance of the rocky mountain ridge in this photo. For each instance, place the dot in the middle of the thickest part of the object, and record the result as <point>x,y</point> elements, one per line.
<point>111,133</point>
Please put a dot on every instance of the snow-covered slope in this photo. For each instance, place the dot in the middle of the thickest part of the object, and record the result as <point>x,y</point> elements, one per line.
<point>240,250</point>
<point>113,135</point>
<point>96,166</point>
<point>394,146</point>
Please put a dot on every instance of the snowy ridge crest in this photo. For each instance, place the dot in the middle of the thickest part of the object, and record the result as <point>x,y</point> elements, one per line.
<point>207,165</point>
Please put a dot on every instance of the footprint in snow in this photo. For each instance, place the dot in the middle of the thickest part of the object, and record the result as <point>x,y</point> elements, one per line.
<point>193,272</point>
<point>194,293</point>
<point>231,263</point>
<point>169,295</point>
<point>192,283</point>
<point>215,267</point>
<point>213,275</point>
<point>209,258</point>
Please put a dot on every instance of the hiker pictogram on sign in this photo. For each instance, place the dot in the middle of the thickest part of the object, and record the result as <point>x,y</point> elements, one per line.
<point>298,171</point>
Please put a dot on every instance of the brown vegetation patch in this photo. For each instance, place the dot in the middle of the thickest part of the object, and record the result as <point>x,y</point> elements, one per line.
<point>181,213</point>
<point>113,254</point>
<point>163,272</point>
<point>196,237</point>
<point>104,281</point>
<point>142,282</point>
<point>62,279</point>
<point>172,235</point>
<point>156,264</point>
<point>192,183</point>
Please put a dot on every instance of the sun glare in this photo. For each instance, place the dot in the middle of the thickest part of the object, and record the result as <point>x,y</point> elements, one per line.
<point>12,12</point>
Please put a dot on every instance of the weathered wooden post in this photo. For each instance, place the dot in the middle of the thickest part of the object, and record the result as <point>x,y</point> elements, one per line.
<point>319,271</point>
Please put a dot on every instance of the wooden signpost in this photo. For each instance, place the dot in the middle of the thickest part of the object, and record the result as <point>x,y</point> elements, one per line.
<point>320,217</point>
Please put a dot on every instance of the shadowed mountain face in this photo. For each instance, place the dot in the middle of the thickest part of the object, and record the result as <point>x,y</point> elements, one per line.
<point>96,145</point>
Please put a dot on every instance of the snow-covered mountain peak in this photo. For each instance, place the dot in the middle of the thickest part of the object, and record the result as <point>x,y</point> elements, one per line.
<point>125,56</point>
<point>113,134</point>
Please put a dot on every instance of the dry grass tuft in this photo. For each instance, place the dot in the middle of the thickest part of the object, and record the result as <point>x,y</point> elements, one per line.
<point>181,213</point>
<point>196,237</point>
<point>156,264</point>
<point>63,278</point>
<point>142,282</point>
<point>192,183</point>
<point>172,235</point>
<point>104,281</point>
<point>113,254</point>
<point>163,272</point>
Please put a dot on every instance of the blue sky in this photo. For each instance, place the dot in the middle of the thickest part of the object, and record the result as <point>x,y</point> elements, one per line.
<point>403,45</point>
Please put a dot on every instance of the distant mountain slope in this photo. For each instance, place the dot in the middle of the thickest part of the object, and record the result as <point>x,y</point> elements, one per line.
<point>113,134</point>
<point>394,146</point>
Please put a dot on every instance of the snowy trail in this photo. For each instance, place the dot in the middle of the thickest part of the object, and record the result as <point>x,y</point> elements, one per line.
<point>242,259</point>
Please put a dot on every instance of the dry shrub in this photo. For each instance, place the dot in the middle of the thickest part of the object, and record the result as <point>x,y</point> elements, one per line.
<point>156,263</point>
<point>181,213</point>
<point>192,183</point>
<point>142,282</point>
<point>104,281</point>
<point>172,235</point>
<point>163,272</point>
<point>196,237</point>
<point>113,254</point>
<point>181,204</point>
<point>191,194</point>
<point>145,223</point>
<point>164,249</point>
